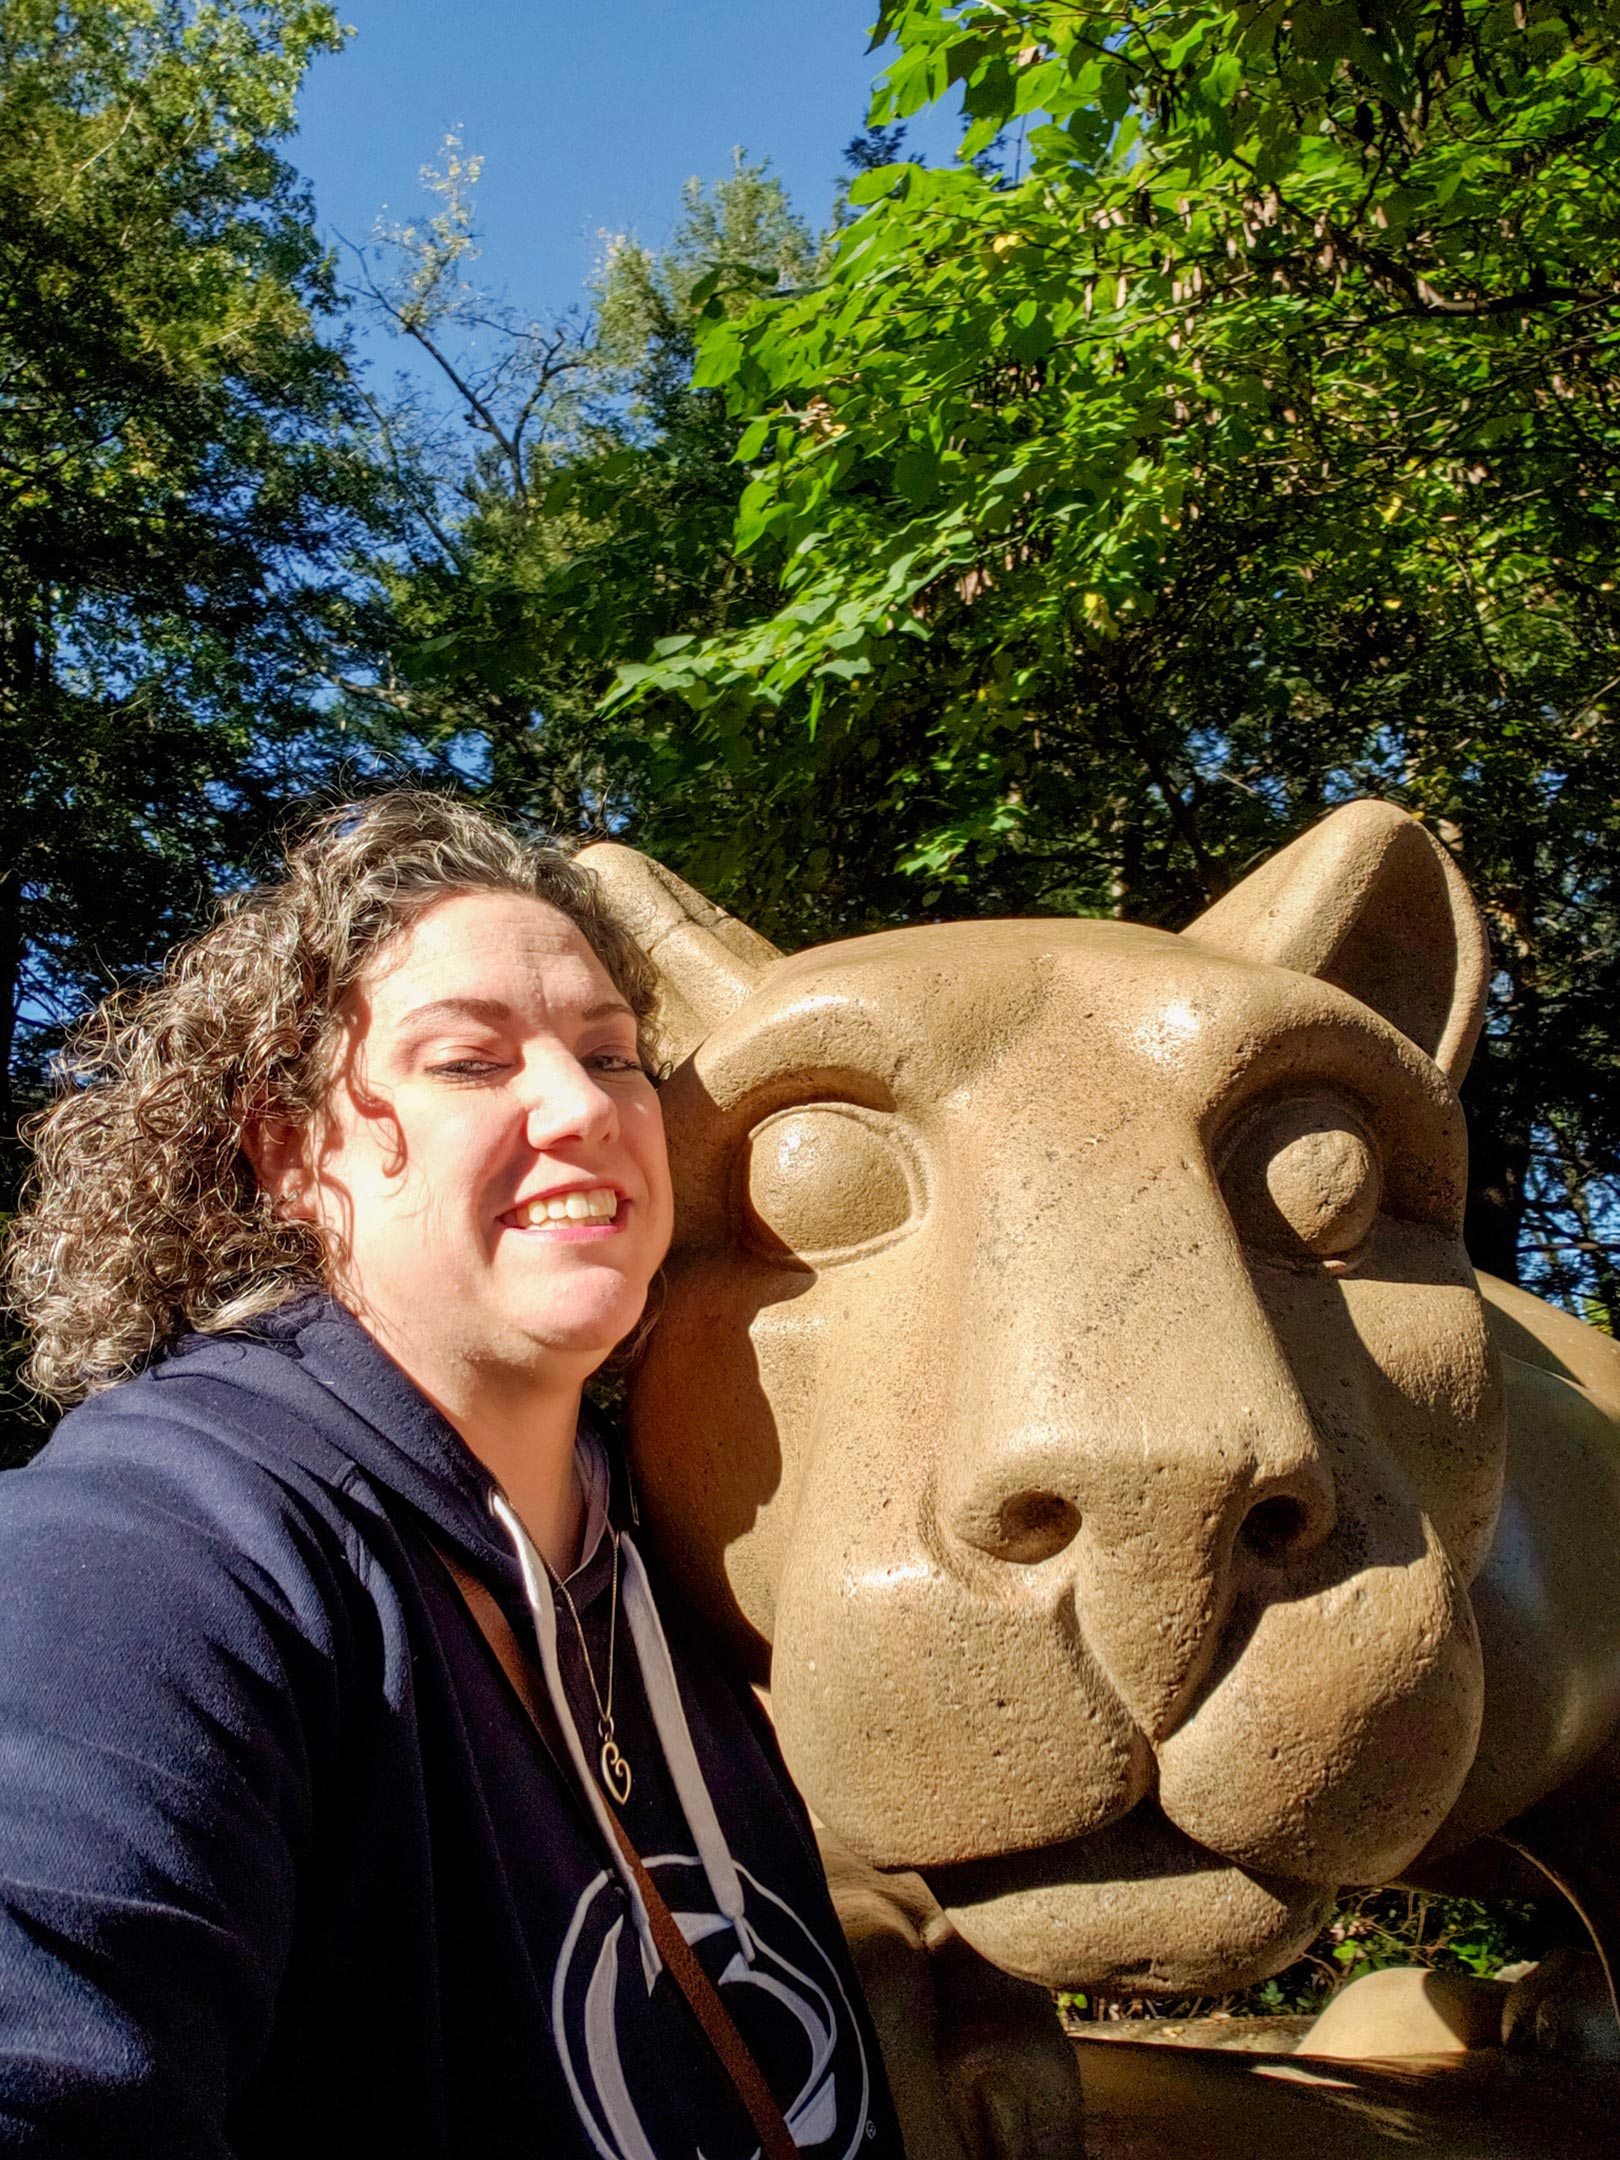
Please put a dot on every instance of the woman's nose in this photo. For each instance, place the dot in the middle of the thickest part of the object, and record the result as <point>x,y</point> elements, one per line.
<point>567,1102</point>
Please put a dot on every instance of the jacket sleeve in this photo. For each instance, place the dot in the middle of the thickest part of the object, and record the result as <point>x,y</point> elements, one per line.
<point>168,1712</point>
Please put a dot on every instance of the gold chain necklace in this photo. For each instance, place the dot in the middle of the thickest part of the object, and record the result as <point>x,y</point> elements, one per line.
<point>615,1769</point>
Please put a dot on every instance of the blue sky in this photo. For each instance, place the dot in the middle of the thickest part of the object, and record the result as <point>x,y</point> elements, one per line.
<point>588,117</point>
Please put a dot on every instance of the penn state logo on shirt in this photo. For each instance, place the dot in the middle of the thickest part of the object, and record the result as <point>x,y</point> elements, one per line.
<point>788,2003</point>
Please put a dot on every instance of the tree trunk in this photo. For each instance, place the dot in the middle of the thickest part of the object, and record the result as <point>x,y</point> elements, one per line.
<point>1499,1093</point>
<point>11,954</point>
<point>1498,1166</point>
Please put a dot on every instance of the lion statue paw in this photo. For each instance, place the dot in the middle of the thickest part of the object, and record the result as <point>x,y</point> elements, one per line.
<point>979,2063</point>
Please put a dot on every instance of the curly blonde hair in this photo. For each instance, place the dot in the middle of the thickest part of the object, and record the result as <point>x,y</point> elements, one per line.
<point>143,1220</point>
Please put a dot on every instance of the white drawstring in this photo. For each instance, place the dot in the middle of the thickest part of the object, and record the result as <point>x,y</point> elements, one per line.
<point>669,1721</point>
<point>669,1716</point>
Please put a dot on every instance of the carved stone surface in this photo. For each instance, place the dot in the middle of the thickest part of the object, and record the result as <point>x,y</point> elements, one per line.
<point>1165,2103</point>
<point>1073,1392</point>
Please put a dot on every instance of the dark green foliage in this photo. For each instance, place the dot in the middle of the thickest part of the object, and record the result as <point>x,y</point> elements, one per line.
<point>1247,441</point>
<point>182,472</point>
<point>179,467</point>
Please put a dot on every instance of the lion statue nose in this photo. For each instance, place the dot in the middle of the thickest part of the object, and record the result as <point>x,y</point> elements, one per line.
<point>1158,1537</point>
<point>1024,1521</point>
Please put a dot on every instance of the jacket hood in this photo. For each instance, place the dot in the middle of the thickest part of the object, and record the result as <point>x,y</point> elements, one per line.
<point>313,1359</point>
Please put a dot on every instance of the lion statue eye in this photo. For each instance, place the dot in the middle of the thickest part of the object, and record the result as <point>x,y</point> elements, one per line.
<point>822,1183</point>
<point>1302,1180</point>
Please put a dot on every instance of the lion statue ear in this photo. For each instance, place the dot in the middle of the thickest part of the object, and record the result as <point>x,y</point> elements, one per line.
<point>1370,902</point>
<point>707,961</point>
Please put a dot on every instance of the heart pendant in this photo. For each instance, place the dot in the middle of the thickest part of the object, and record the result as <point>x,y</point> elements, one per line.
<point>615,1772</point>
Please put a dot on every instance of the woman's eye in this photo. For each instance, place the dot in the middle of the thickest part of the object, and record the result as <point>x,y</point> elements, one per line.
<point>1303,1180</point>
<point>465,1068</point>
<point>614,1061</point>
<point>822,1183</point>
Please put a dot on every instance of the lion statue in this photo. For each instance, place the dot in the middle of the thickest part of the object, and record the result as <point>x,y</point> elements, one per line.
<point>1073,1398</point>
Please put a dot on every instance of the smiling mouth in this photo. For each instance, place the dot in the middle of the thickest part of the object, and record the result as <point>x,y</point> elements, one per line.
<point>594,1204</point>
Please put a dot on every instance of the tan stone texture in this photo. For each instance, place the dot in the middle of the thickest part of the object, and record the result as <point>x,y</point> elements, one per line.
<point>1402,2011</point>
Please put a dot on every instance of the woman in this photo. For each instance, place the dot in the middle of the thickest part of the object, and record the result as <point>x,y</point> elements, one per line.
<point>337,1711</point>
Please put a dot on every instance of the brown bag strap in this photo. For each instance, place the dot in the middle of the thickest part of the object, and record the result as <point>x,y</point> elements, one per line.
<point>703,1997</point>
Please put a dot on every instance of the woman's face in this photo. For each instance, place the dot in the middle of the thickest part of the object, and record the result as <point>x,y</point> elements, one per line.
<point>490,1160</point>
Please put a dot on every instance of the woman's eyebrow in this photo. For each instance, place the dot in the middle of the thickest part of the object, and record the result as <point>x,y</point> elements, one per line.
<point>494,1011</point>
<point>421,1017</point>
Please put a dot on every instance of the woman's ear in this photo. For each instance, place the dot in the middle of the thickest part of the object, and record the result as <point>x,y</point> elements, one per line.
<point>279,1153</point>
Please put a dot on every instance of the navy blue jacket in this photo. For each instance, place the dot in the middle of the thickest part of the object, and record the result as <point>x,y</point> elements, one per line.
<point>284,1869</point>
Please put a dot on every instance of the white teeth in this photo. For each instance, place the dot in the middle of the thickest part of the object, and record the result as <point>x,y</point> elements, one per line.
<point>600,1204</point>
